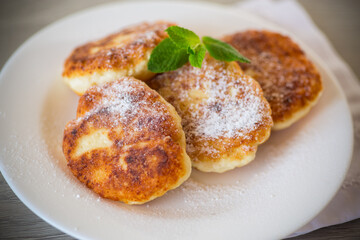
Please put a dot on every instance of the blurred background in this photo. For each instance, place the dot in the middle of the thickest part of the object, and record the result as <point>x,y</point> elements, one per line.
<point>19,19</point>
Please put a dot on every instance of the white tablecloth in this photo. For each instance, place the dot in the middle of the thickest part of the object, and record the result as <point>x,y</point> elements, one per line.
<point>288,14</point>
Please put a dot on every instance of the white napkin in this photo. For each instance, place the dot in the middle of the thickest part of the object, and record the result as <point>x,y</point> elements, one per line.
<point>288,14</point>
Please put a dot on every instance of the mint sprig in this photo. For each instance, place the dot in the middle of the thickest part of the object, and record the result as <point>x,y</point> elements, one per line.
<point>167,57</point>
<point>184,45</point>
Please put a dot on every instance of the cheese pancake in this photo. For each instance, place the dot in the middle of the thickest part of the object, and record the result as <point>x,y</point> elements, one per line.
<point>224,114</point>
<point>125,53</point>
<point>290,82</point>
<point>127,143</point>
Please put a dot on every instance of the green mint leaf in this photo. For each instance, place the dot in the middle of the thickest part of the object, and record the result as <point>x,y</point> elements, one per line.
<point>167,57</point>
<point>183,37</point>
<point>197,58</point>
<point>222,51</point>
<point>184,45</point>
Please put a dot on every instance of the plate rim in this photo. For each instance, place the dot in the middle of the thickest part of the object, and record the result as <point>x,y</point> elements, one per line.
<point>216,6</point>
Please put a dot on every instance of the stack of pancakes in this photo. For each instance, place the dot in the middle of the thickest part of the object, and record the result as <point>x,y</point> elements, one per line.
<point>136,135</point>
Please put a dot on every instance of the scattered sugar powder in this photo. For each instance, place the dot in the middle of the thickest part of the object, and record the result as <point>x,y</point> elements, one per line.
<point>123,102</point>
<point>226,116</point>
<point>194,199</point>
<point>233,106</point>
<point>147,35</point>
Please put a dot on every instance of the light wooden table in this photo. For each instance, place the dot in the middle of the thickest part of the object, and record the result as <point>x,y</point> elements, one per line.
<point>19,19</point>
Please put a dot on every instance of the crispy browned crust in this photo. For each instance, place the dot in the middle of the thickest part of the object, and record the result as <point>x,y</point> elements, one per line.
<point>122,50</point>
<point>207,151</point>
<point>147,156</point>
<point>289,80</point>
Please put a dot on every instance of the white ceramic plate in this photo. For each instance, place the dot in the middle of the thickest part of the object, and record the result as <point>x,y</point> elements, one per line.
<point>294,176</point>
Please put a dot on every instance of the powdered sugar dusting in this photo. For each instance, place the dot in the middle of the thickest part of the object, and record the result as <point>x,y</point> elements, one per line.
<point>225,115</point>
<point>123,101</point>
<point>149,35</point>
<point>126,51</point>
<point>216,102</point>
<point>131,39</point>
<point>195,199</point>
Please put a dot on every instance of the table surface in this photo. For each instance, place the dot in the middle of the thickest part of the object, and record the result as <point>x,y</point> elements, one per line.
<point>339,20</point>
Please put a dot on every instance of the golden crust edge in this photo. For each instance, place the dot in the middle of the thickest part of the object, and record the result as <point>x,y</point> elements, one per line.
<point>296,116</point>
<point>81,83</point>
<point>181,142</point>
<point>221,166</point>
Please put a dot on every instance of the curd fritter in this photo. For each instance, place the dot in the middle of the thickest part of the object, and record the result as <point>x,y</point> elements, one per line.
<point>121,54</point>
<point>290,82</point>
<point>127,143</point>
<point>224,114</point>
